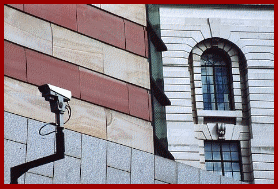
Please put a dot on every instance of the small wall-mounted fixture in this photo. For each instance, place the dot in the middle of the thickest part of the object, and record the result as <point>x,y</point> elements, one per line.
<point>221,129</point>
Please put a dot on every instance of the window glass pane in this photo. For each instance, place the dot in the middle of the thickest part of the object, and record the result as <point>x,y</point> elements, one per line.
<point>209,166</point>
<point>235,166</point>
<point>217,167</point>
<point>227,166</point>
<point>216,156</point>
<point>213,107</point>
<point>215,147</point>
<point>225,147</point>
<point>208,156</point>
<point>226,156</point>
<point>207,79</point>
<point>226,98</point>
<point>207,75</point>
<point>221,106</point>
<point>233,147</point>
<point>234,156</point>
<point>222,158</point>
<point>207,146</point>
<point>208,89</point>
<point>208,101</point>
<point>227,106</point>
<point>215,74</point>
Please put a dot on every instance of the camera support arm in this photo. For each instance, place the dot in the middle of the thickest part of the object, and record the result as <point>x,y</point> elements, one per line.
<point>57,106</point>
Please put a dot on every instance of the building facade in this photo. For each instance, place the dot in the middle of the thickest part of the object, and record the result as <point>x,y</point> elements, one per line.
<point>122,128</point>
<point>219,76</point>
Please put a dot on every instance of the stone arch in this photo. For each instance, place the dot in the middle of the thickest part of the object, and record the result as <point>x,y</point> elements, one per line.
<point>238,72</point>
<point>239,130</point>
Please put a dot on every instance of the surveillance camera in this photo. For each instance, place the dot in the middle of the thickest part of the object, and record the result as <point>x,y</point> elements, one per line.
<point>51,92</point>
<point>56,96</point>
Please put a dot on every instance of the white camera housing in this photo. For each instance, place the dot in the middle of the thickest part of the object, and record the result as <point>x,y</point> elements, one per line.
<point>49,91</point>
<point>65,93</point>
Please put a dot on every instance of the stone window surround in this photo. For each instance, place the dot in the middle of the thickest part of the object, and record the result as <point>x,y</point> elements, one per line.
<point>196,83</point>
<point>208,131</point>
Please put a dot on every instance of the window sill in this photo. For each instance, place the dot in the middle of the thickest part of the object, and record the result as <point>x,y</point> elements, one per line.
<point>219,113</point>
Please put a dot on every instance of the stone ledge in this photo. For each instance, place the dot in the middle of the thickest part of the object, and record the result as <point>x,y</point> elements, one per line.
<point>219,113</point>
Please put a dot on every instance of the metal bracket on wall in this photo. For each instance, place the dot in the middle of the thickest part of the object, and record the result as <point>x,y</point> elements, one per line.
<point>57,98</point>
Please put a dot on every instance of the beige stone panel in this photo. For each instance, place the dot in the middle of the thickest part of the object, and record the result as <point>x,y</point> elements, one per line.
<point>129,131</point>
<point>126,66</point>
<point>77,48</point>
<point>26,100</point>
<point>87,118</point>
<point>133,12</point>
<point>27,31</point>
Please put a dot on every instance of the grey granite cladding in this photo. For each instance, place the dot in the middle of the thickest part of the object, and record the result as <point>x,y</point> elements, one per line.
<point>165,170</point>
<point>40,146</point>
<point>90,160</point>
<point>15,127</point>
<point>115,176</point>
<point>93,164</point>
<point>142,167</point>
<point>118,156</point>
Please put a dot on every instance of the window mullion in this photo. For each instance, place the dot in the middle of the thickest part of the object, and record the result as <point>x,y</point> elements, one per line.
<point>222,161</point>
<point>214,87</point>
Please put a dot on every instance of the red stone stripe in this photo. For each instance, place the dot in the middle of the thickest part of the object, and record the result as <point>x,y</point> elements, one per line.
<point>150,108</point>
<point>93,22</point>
<point>42,69</point>
<point>104,91</point>
<point>17,6</point>
<point>146,43</point>
<point>14,61</point>
<point>101,25</point>
<point>138,102</point>
<point>135,38</point>
<point>83,83</point>
<point>61,14</point>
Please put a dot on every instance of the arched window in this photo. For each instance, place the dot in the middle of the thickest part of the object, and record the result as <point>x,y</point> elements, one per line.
<point>216,85</point>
